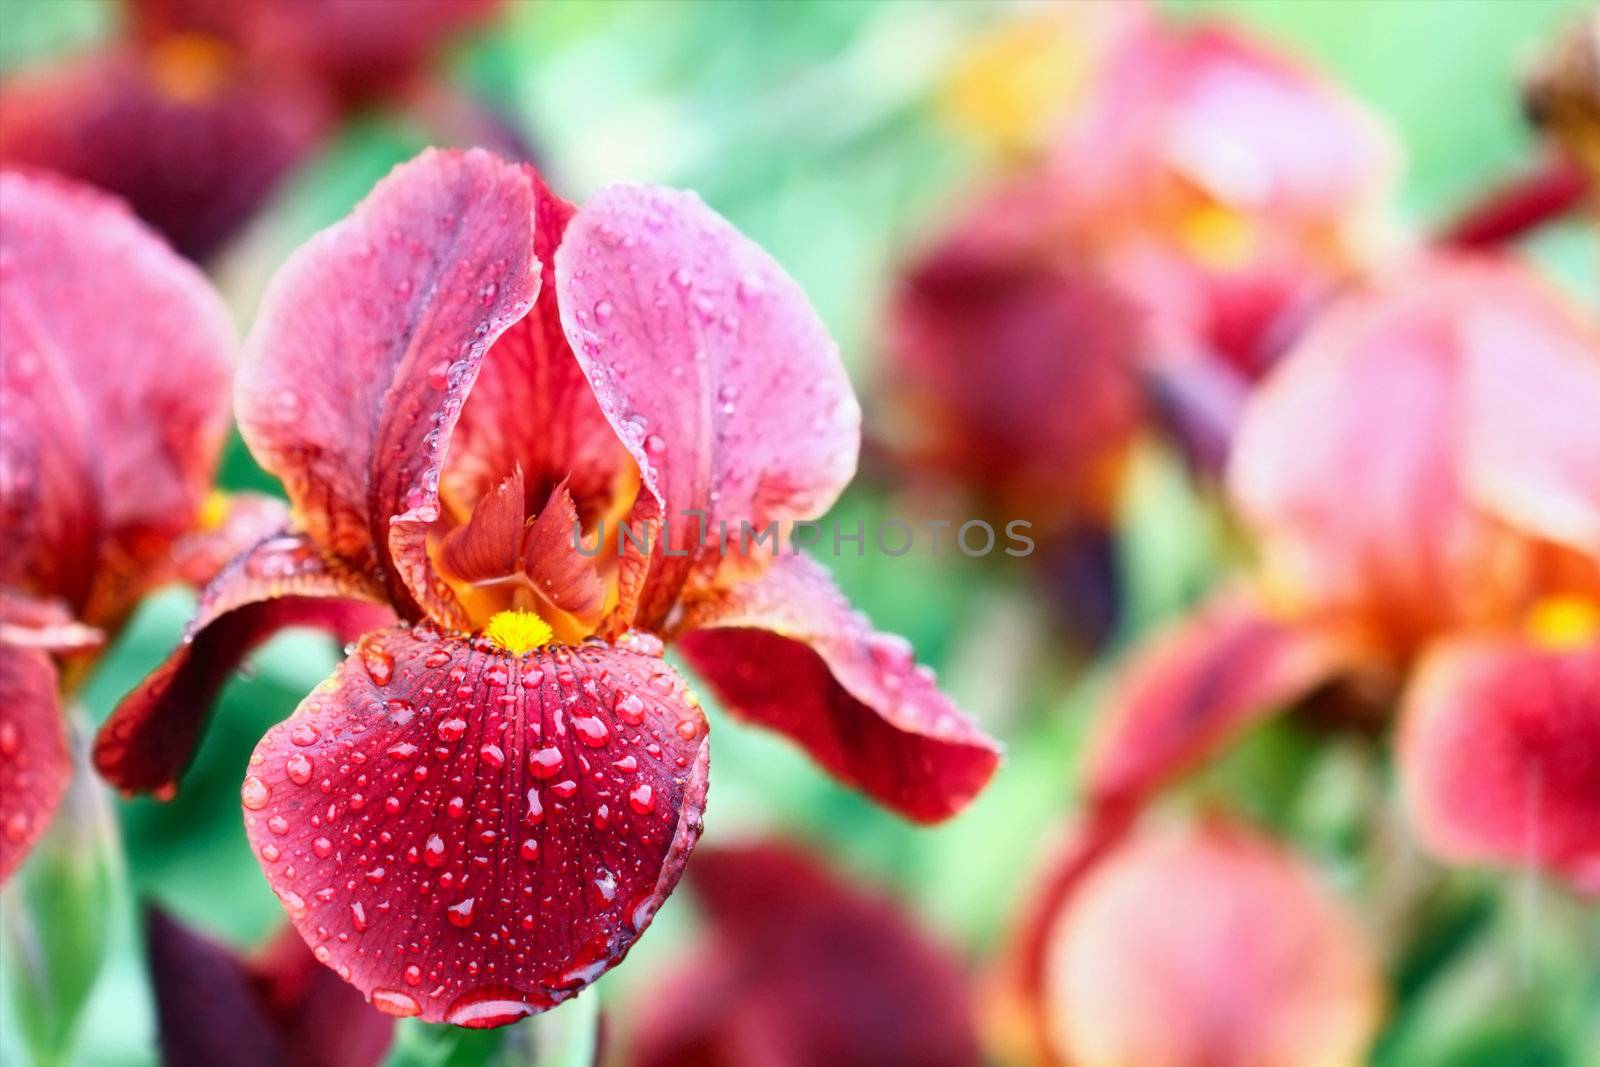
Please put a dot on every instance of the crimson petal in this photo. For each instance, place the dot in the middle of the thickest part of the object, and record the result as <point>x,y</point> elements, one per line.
<point>786,651</point>
<point>474,837</point>
<point>116,464</point>
<point>802,968</point>
<point>712,367</point>
<point>283,581</point>
<point>34,763</point>
<point>1500,756</point>
<point>1196,686</point>
<point>366,346</point>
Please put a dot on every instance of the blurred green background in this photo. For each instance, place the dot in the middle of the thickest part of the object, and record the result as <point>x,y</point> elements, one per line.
<point>807,123</point>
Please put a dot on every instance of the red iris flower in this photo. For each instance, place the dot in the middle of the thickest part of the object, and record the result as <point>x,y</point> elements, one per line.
<point>114,364</point>
<point>1423,478</point>
<point>1206,944</point>
<point>802,968</point>
<point>277,1006</point>
<point>1202,197</point>
<point>203,109</point>
<point>482,808</point>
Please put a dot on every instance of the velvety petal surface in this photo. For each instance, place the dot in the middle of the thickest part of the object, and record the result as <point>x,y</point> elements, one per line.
<point>1500,756</point>
<point>195,139</point>
<point>364,350</point>
<point>801,967</point>
<point>283,581</point>
<point>34,762</point>
<point>787,652</point>
<point>710,364</point>
<point>278,1009</point>
<point>117,357</point>
<point>1229,940</point>
<point>1195,687</point>
<point>473,837</point>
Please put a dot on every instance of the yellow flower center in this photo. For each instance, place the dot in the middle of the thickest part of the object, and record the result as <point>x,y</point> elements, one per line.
<point>1564,621</point>
<point>1217,236</point>
<point>517,631</point>
<point>191,68</point>
<point>213,511</point>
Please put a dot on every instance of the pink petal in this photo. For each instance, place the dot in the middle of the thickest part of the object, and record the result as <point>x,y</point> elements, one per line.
<point>365,348</point>
<point>148,741</point>
<point>474,837</point>
<point>117,356</point>
<point>34,763</point>
<point>1195,687</point>
<point>793,953</point>
<point>711,365</point>
<point>1228,939</point>
<point>1500,756</point>
<point>786,651</point>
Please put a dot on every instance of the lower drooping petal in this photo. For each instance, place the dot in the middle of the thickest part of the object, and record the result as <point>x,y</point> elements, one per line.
<point>471,836</point>
<point>785,650</point>
<point>802,968</point>
<point>1209,946</point>
<point>34,763</point>
<point>1500,756</point>
<point>283,581</point>
<point>1199,684</point>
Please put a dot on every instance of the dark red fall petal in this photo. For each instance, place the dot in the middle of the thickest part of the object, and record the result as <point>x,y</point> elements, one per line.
<point>1500,756</point>
<point>366,345</point>
<point>804,968</point>
<point>787,651</point>
<point>473,837</point>
<point>34,763</point>
<point>532,407</point>
<point>1195,687</point>
<point>195,139</point>
<point>712,367</point>
<point>148,741</point>
<point>87,287</point>
<point>278,1009</point>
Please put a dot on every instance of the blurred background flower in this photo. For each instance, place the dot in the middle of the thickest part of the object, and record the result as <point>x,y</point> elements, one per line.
<point>1131,213</point>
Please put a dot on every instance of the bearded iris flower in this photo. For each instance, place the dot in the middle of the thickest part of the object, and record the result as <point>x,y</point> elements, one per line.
<point>482,808</point>
<point>114,364</point>
<point>204,107</point>
<point>1422,476</point>
<point>1198,197</point>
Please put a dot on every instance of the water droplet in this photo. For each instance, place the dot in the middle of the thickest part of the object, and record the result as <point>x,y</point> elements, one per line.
<point>529,849</point>
<point>545,763</point>
<point>591,731</point>
<point>630,708</point>
<point>642,799</point>
<point>379,664</point>
<point>298,767</point>
<point>452,729</point>
<point>304,734</point>
<point>433,851</point>
<point>255,793</point>
<point>460,913</point>
<point>488,1007</point>
<point>492,756</point>
<point>393,1002</point>
<point>687,728</point>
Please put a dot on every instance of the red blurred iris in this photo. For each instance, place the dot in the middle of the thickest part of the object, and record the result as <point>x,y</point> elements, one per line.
<point>802,968</point>
<point>1199,197</point>
<point>204,108</point>
<point>482,808</point>
<point>114,364</point>
<point>1422,476</point>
